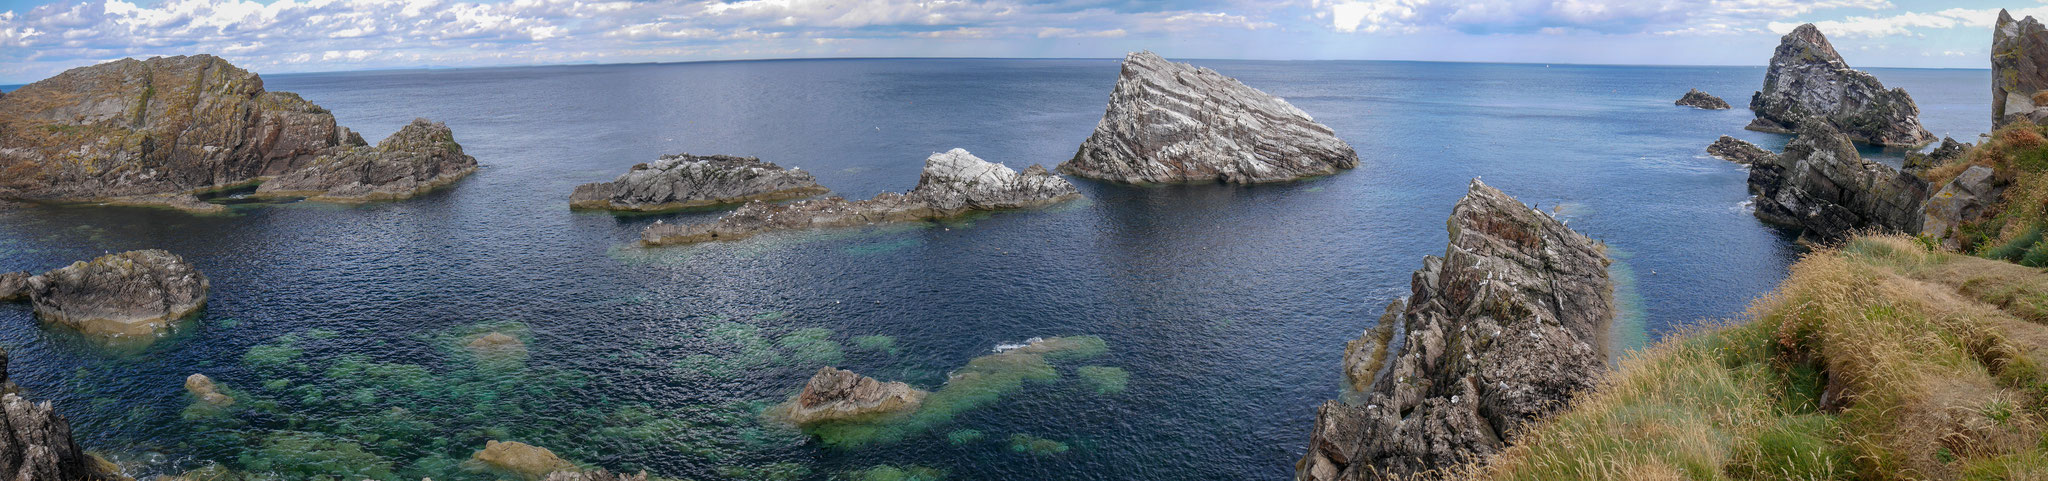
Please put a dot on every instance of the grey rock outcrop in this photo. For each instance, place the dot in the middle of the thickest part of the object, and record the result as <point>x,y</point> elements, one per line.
<point>1821,185</point>
<point>684,180</point>
<point>36,442</point>
<point>1739,151</point>
<point>1808,80</point>
<point>954,183</point>
<point>1171,122</point>
<point>420,157</point>
<point>1502,330</point>
<point>1697,99</point>
<point>13,286</point>
<point>2019,70</point>
<point>155,132</point>
<point>1967,198</point>
<point>129,294</point>
<point>835,394</point>
<point>1949,151</point>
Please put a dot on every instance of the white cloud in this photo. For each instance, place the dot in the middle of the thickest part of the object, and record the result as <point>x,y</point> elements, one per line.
<point>1669,17</point>
<point>1910,24</point>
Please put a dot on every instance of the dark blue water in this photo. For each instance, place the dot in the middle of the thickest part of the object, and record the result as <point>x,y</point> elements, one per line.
<point>339,327</point>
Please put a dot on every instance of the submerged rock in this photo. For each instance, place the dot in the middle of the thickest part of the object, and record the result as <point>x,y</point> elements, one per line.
<point>202,387</point>
<point>1967,198</point>
<point>496,347</point>
<point>1173,122</point>
<point>1502,330</point>
<point>154,132</point>
<point>1821,185</point>
<point>684,180</point>
<point>420,157</point>
<point>594,475</point>
<point>954,183</point>
<point>1696,98</point>
<point>530,462</point>
<point>2019,70</point>
<point>1808,80</point>
<point>134,293</point>
<point>1739,151</point>
<point>838,395</point>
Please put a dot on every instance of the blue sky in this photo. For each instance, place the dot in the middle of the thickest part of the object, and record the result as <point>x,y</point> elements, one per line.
<point>39,38</point>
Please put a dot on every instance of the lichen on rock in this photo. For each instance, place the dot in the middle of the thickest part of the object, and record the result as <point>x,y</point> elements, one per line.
<point>2019,70</point>
<point>1821,185</point>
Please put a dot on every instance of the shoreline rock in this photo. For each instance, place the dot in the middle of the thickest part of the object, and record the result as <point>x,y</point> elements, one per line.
<point>2019,70</point>
<point>1702,100</point>
<point>129,294</point>
<point>420,157</point>
<point>1170,122</point>
<point>1739,151</point>
<point>1808,80</point>
<point>156,132</point>
<point>840,395</point>
<point>683,181</point>
<point>39,444</point>
<point>1502,330</point>
<point>1821,185</point>
<point>953,183</point>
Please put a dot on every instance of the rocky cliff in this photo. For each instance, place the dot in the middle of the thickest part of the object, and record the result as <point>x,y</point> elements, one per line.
<point>36,443</point>
<point>1503,329</point>
<point>156,131</point>
<point>421,156</point>
<point>129,294</point>
<point>953,183</point>
<point>1702,100</point>
<point>1821,185</point>
<point>1173,122</point>
<point>1807,79</point>
<point>684,180</point>
<point>2019,70</point>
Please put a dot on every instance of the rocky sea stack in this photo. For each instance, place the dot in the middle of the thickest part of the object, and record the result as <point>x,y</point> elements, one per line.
<point>1172,122</point>
<point>1739,151</point>
<point>683,180</point>
<point>2019,70</point>
<point>130,294</point>
<point>841,395</point>
<point>1503,329</point>
<point>954,183</point>
<point>157,131</point>
<point>1821,185</point>
<point>1696,98</point>
<point>1808,80</point>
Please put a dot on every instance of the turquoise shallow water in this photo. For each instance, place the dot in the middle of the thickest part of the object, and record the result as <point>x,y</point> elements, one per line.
<point>340,327</point>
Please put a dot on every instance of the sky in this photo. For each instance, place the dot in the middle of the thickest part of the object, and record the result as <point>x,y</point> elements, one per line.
<point>39,38</point>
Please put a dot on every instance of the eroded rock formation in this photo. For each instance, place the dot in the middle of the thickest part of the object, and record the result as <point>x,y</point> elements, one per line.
<point>1966,198</point>
<point>954,183</point>
<point>684,180</point>
<point>1697,99</point>
<point>1502,330</point>
<point>420,157</point>
<point>154,132</point>
<point>1173,122</point>
<point>1739,151</point>
<point>129,294</point>
<point>36,443</point>
<point>837,395</point>
<point>1821,185</point>
<point>2019,70</point>
<point>1808,80</point>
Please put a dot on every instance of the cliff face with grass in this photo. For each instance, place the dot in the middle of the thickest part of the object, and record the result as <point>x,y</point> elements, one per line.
<point>1501,330</point>
<point>1881,360</point>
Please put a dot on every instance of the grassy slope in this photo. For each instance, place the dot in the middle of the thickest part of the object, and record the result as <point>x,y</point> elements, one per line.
<point>1878,360</point>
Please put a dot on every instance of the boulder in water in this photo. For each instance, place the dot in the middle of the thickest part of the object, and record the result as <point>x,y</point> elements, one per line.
<point>532,463</point>
<point>418,158</point>
<point>202,387</point>
<point>129,294</point>
<point>838,395</point>
<point>1702,100</point>
<point>1739,151</point>
<point>683,180</point>
<point>1808,81</point>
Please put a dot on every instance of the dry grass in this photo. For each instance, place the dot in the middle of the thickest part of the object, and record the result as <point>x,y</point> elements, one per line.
<point>1880,360</point>
<point>2018,155</point>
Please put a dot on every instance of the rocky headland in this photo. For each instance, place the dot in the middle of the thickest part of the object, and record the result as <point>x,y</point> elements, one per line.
<point>953,183</point>
<point>1808,80</point>
<point>2019,70</point>
<point>129,294</point>
<point>1502,330</point>
<point>683,181</point>
<point>1821,185</point>
<point>1702,100</point>
<point>157,131</point>
<point>840,395</point>
<point>1171,122</point>
<point>1739,151</point>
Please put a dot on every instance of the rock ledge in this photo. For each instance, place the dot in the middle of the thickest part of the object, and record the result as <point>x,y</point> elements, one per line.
<point>683,180</point>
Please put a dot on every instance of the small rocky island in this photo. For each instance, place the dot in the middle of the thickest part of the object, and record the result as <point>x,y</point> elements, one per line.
<point>1807,79</point>
<point>1702,100</point>
<point>1171,122</point>
<point>682,181</point>
<point>158,131</point>
<point>133,294</point>
<point>954,183</point>
<point>839,395</point>
<point>1502,330</point>
<point>2019,71</point>
<point>1739,151</point>
<point>1820,184</point>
